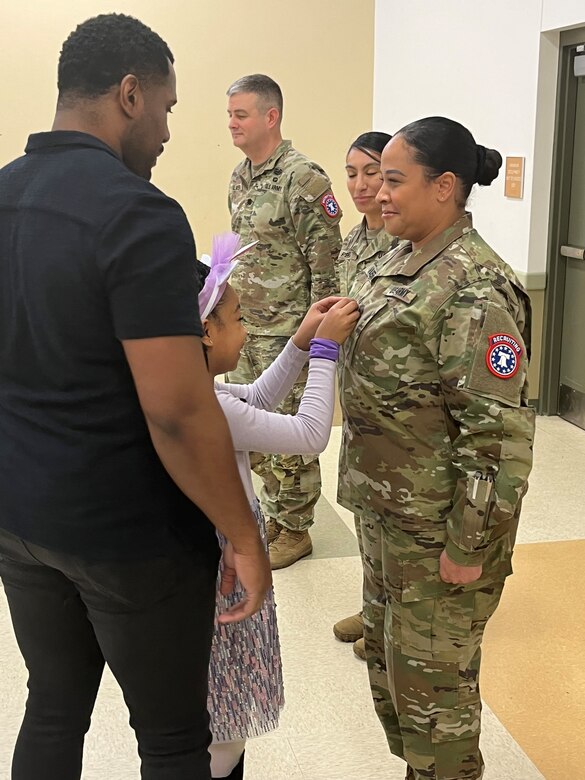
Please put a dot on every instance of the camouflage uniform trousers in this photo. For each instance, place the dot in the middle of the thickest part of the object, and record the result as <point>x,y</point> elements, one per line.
<point>358,532</point>
<point>424,655</point>
<point>291,483</point>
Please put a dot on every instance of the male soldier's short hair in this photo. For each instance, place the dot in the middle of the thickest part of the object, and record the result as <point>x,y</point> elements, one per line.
<point>268,92</point>
<point>101,51</point>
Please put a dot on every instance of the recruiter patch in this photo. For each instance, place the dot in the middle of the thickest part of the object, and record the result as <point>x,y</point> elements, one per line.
<point>330,205</point>
<point>503,355</point>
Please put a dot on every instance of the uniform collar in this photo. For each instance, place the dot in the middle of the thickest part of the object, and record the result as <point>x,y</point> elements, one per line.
<point>413,261</point>
<point>360,233</point>
<point>270,163</point>
<point>381,240</point>
<point>38,142</point>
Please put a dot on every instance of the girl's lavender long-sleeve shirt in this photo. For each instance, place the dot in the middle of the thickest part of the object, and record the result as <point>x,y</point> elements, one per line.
<point>256,428</point>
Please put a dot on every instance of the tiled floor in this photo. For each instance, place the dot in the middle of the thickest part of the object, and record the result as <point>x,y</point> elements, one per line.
<point>533,676</point>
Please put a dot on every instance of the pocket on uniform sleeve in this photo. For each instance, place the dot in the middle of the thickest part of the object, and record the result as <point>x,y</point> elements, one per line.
<point>499,362</point>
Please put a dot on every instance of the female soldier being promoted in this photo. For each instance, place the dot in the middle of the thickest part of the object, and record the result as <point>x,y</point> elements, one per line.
<point>363,246</point>
<point>368,240</point>
<point>437,446</point>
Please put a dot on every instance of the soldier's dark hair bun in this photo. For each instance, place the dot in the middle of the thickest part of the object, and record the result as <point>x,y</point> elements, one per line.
<point>489,162</point>
<point>440,144</point>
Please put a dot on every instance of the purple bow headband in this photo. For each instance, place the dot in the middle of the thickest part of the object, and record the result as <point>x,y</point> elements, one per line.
<point>224,251</point>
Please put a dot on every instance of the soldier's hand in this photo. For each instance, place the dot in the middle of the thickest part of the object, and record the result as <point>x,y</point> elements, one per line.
<point>456,574</point>
<point>312,320</point>
<point>339,321</point>
<point>252,569</point>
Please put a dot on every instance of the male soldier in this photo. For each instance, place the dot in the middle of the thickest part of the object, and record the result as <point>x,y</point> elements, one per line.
<point>284,201</point>
<point>110,431</point>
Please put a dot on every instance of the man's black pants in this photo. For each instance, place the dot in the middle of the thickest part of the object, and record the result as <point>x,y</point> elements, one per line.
<point>150,620</point>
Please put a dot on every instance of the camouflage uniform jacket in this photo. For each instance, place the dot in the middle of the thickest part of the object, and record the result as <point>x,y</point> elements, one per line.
<point>287,205</point>
<point>437,432</point>
<point>358,252</point>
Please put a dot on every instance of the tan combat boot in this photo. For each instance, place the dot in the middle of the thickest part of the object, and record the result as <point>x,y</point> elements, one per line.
<point>272,529</point>
<point>288,547</point>
<point>349,629</point>
<point>359,649</point>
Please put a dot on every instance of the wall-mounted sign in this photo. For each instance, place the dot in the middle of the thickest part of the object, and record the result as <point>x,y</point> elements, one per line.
<point>514,177</point>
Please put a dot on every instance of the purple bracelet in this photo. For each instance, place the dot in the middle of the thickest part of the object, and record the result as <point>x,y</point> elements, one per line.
<point>324,348</point>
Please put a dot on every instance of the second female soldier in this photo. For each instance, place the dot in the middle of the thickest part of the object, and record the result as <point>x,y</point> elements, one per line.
<point>364,245</point>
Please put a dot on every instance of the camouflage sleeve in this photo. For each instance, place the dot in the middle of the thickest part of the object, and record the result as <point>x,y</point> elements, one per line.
<point>229,197</point>
<point>483,362</point>
<point>316,215</point>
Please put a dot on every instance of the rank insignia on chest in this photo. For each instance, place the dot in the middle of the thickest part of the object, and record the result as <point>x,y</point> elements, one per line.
<point>371,272</point>
<point>402,293</point>
<point>503,355</point>
<point>330,205</point>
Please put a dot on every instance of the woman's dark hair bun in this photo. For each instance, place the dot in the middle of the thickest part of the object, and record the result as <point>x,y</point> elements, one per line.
<point>441,144</point>
<point>489,164</point>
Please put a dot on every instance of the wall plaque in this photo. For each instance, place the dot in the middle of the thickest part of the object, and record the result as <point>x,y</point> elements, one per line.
<point>514,187</point>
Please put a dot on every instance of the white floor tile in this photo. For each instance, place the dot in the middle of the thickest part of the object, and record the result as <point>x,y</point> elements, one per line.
<point>566,434</point>
<point>553,507</point>
<point>110,746</point>
<point>354,752</point>
<point>504,758</point>
<point>12,688</point>
<point>270,757</point>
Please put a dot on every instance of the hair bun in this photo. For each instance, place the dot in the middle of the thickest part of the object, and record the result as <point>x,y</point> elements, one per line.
<point>489,162</point>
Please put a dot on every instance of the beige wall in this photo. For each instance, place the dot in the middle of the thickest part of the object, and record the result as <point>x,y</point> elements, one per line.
<point>320,53</point>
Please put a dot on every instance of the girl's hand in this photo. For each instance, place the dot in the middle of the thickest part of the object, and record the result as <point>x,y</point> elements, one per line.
<point>312,320</point>
<point>338,323</point>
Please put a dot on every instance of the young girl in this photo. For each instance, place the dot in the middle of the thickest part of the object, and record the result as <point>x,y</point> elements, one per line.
<point>245,681</point>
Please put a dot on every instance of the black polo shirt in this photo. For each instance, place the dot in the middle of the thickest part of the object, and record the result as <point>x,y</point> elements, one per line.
<point>90,254</point>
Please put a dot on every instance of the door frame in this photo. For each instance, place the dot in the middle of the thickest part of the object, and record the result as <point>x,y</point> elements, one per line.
<point>562,164</point>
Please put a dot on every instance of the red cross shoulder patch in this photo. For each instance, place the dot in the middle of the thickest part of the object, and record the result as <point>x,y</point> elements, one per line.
<point>503,355</point>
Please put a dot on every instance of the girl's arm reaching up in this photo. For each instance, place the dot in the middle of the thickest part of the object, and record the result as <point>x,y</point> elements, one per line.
<point>307,432</point>
<point>277,380</point>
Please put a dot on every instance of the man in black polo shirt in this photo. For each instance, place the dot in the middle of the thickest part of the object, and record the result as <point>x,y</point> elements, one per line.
<point>113,449</point>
